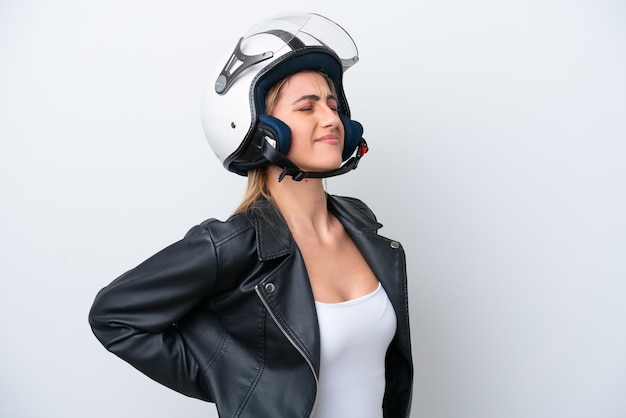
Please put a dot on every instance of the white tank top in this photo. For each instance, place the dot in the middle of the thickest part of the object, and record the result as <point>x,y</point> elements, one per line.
<point>354,336</point>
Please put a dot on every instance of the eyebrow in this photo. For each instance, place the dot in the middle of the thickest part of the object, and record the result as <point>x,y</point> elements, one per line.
<point>314,97</point>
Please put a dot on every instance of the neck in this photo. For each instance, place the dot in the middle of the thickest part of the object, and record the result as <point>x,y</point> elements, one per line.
<point>302,203</point>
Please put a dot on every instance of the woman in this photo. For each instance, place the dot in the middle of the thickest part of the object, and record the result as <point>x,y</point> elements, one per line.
<point>294,306</point>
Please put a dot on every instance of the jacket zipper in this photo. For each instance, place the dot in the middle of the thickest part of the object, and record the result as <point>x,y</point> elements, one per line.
<point>293,343</point>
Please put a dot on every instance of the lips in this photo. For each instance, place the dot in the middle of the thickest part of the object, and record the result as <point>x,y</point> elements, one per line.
<point>328,139</point>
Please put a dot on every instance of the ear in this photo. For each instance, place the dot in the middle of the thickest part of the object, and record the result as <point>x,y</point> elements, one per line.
<point>352,137</point>
<point>279,130</point>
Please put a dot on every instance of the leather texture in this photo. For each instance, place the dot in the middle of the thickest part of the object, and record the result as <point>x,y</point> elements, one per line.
<point>227,314</point>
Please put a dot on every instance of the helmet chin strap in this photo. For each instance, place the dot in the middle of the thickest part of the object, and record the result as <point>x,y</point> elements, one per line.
<point>290,169</point>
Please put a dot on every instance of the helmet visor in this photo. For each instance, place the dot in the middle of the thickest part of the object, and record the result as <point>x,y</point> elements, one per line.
<point>281,34</point>
<point>297,30</point>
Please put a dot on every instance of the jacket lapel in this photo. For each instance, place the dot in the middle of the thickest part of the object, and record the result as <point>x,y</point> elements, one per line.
<point>286,291</point>
<point>385,257</point>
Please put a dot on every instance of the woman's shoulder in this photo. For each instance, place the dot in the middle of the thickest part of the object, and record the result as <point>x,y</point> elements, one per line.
<point>353,205</point>
<point>222,230</point>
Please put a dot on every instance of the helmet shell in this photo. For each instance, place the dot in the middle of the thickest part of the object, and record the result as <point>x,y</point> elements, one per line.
<point>234,97</point>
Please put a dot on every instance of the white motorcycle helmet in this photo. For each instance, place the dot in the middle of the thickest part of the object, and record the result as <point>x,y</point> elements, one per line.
<point>239,131</point>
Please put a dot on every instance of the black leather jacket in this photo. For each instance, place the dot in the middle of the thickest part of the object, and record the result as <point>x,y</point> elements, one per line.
<point>227,314</point>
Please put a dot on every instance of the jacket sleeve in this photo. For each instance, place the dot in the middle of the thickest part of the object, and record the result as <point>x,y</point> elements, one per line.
<point>135,316</point>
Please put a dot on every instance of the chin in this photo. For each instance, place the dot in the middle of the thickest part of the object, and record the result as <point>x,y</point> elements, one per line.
<point>319,167</point>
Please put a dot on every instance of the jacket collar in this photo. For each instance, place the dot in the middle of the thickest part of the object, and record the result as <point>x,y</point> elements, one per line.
<point>274,239</point>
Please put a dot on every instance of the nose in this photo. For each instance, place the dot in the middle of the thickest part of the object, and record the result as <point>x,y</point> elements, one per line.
<point>330,117</point>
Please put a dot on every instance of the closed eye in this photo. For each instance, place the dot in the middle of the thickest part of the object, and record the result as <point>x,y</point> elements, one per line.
<point>310,100</point>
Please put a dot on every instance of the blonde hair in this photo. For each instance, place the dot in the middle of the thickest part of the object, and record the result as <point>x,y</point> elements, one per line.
<point>258,177</point>
<point>256,188</point>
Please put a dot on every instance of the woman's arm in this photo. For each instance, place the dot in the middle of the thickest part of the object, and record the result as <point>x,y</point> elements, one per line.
<point>134,316</point>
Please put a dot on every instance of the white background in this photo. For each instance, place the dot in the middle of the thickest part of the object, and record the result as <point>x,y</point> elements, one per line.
<point>497,133</point>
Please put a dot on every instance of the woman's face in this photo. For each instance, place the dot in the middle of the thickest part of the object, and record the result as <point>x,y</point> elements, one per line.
<point>307,105</point>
